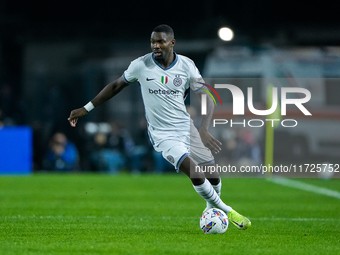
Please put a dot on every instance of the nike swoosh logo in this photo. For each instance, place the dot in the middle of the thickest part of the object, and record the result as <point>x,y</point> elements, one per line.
<point>147,79</point>
<point>240,225</point>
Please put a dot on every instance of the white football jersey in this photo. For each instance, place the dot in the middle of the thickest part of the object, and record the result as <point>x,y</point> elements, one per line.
<point>163,91</point>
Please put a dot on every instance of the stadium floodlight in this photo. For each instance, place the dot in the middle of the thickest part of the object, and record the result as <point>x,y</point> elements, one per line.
<point>225,34</point>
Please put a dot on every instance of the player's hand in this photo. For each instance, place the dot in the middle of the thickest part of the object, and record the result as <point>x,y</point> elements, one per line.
<point>75,114</point>
<point>211,142</point>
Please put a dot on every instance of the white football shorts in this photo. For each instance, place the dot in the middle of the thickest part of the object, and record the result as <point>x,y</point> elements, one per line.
<point>176,149</point>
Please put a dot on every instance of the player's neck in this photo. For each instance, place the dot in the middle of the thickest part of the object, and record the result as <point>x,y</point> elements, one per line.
<point>168,61</point>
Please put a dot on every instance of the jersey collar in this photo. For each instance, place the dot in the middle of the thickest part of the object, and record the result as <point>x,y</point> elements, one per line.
<point>172,64</point>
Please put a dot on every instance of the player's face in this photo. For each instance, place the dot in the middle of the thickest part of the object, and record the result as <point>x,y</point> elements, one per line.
<point>162,45</point>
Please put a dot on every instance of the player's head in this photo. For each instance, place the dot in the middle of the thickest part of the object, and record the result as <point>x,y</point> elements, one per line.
<point>164,29</point>
<point>162,42</point>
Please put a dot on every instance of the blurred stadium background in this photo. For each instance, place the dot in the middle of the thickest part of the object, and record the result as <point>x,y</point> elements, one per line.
<point>55,56</point>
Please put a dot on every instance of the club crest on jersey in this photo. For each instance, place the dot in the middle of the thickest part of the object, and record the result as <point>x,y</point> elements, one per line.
<point>177,81</point>
<point>164,79</point>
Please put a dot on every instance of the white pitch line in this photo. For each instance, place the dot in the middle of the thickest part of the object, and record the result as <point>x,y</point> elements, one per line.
<point>304,186</point>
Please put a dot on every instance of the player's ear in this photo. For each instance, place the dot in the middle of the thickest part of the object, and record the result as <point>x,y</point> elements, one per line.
<point>173,41</point>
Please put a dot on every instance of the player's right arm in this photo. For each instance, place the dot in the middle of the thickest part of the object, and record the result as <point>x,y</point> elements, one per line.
<point>109,91</point>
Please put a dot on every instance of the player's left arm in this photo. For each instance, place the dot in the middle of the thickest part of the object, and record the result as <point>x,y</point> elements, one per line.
<point>196,84</point>
<point>208,140</point>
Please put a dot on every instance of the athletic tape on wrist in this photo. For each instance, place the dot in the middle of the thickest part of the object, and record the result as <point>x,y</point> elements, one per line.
<point>89,106</point>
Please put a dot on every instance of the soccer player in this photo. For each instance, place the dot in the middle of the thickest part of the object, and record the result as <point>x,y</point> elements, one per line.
<point>165,78</point>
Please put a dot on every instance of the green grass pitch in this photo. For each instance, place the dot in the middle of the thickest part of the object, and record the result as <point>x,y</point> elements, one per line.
<point>159,214</point>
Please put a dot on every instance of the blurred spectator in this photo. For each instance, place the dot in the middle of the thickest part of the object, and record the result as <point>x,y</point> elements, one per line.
<point>62,154</point>
<point>144,155</point>
<point>111,152</point>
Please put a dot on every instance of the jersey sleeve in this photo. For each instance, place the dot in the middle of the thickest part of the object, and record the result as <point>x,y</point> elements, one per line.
<point>196,80</point>
<point>132,72</point>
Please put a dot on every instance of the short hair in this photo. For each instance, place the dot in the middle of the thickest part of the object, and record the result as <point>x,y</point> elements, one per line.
<point>164,29</point>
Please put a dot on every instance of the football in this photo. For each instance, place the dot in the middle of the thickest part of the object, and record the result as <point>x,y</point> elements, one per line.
<point>214,221</point>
